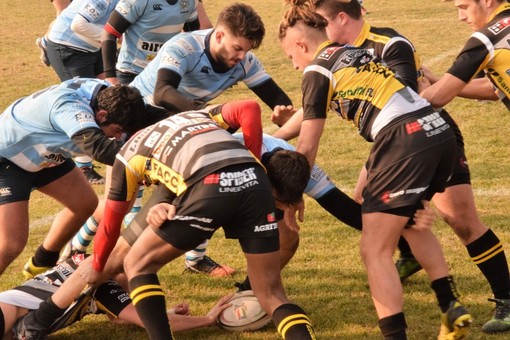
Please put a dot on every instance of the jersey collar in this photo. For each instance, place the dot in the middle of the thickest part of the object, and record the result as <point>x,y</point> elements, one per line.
<point>363,35</point>
<point>503,7</point>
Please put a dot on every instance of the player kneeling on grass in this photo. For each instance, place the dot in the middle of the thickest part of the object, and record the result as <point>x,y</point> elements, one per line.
<point>108,298</point>
<point>213,181</point>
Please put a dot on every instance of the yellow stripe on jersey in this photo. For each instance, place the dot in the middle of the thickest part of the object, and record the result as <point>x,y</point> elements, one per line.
<point>135,168</point>
<point>164,174</point>
<point>371,82</point>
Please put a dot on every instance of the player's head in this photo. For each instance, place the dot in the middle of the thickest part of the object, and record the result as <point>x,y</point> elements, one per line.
<point>119,108</point>
<point>301,31</point>
<point>341,16</point>
<point>476,13</point>
<point>239,29</point>
<point>288,172</point>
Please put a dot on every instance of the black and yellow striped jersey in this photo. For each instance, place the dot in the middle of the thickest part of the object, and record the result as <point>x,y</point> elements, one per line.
<point>488,50</point>
<point>176,152</point>
<point>355,85</point>
<point>397,52</point>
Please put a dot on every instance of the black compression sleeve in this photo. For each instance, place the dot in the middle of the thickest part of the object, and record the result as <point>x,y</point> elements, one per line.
<point>115,26</point>
<point>167,96</point>
<point>271,94</point>
<point>94,143</point>
<point>342,207</point>
<point>191,26</point>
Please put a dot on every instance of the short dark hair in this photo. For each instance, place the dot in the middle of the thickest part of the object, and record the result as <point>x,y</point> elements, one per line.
<point>124,104</point>
<point>301,10</point>
<point>288,172</point>
<point>243,21</point>
<point>332,7</point>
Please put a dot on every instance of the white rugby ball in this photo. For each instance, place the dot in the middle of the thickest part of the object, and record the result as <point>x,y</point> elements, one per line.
<point>245,314</point>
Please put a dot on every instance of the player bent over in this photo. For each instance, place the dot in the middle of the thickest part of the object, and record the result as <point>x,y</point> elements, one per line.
<point>201,169</point>
<point>38,135</point>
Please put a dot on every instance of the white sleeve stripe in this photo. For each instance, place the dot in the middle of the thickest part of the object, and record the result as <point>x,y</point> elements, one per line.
<point>488,44</point>
<point>322,70</point>
<point>392,41</point>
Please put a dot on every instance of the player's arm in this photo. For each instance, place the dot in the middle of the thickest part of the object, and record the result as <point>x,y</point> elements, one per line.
<point>205,21</point>
<point>400,58</point>
<point>274,97</point>
<point>125,181</point>
<point>444,90</point>
<point>477,88</point>
<point>112,31</point>
<point>244,114</point>
<point>167,96</point>
<point>291,128</point>
<point>309,138</point>
<point>93,142</point>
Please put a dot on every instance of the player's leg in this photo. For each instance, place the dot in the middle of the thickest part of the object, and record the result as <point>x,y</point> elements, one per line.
<point>9,313</point>
<point>79,204</point>
<point>379,239</point>
<point>196,261</point>
<point>264,274</point>
<point>13,231</point>
<point>147,255</point>
<point>457,206</point>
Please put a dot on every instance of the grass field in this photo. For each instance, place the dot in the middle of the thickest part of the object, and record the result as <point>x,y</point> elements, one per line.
<point>326,276</point>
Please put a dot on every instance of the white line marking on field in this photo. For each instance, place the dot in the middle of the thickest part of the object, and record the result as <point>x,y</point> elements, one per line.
<point>440,57</point>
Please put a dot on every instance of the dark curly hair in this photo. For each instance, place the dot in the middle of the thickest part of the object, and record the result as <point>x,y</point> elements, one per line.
<point>288,172</point>
<point>300,10</point>
<point>124,104</point>
<point>243,21</point>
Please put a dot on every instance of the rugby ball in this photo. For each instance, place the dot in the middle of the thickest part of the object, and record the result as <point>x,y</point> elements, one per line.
<point>245,314</point>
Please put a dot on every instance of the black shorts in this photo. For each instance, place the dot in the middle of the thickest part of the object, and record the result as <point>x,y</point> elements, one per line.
<point>409,162</point>
<point>245,210</point>
<point>111,298</point>
<point>460,174</point>
<point>16,184</point>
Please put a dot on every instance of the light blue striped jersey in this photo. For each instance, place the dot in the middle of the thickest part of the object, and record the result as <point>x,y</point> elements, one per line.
<point>94,11</point>
<point>153,22</point>
<point>36,131</point>
<point>186,55</point>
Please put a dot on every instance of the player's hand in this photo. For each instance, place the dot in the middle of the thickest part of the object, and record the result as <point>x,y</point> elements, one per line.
<point>219,307</point>
<point>160,213</point>
<point>289,211</point>
<point>180,309</point>
<point>88,273</point>
<point>424,218</point>
<point>281,114</point>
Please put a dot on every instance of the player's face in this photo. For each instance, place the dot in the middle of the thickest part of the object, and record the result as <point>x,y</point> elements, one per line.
<point>232,49</point>
<point>293,49</point>
<point>472,12</point>
<point>335,29</point>
<point>112,130</point>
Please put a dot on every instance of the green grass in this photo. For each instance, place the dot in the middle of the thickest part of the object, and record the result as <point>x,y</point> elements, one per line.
<point>326,276</point>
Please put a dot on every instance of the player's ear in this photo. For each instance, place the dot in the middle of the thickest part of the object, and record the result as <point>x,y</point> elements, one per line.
<point>101,116</point>
<point>218,35</point>
<point>302,46</point>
